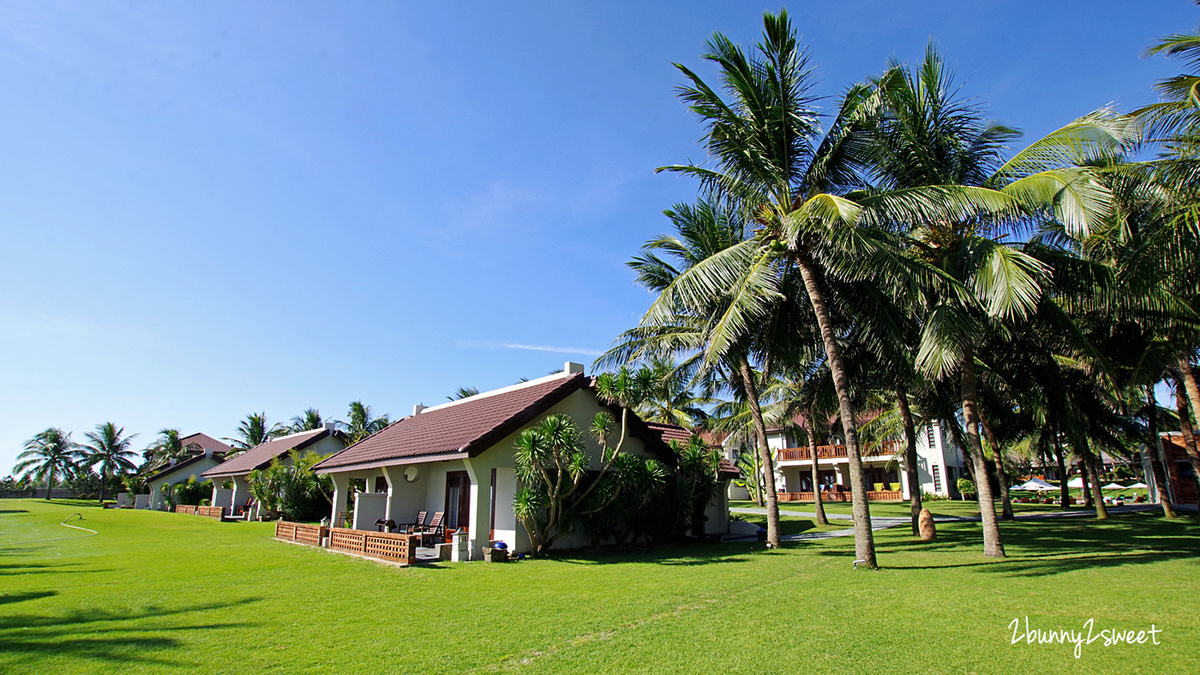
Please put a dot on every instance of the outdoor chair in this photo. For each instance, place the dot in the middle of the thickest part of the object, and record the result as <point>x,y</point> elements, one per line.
<point>385,525</point>
<point>408,528</point>
<point>434,532</point>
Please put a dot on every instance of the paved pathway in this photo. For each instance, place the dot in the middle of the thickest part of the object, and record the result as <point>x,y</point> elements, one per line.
<point>884,522</point>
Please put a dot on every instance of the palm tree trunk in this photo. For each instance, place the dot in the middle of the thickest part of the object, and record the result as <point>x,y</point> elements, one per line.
<point>993,547</point>
<point>103,480</point>
<point>49,484</point>
<point>1154,449</point>
<point>764,451</point>
<point>1097,495</point>
<point>1189,382</point>
<point>910,456</point>
<point>864,540</point>
<point>1185,426</point>
<point>758,489</point>
<point>1063,491</point>
<point>1006,509</point>
<point>1083,475</point>
<point>816,472</point>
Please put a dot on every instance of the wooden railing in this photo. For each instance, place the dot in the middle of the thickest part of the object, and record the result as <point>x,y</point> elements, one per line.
<point>300,532</point>
<point>841,496</point>
<point>383,545</point>
<point>209,511</point>
<point>836,451</point>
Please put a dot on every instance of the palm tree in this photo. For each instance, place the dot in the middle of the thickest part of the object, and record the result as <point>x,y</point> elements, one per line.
<point>166,447</point>
<point>930,137</point>
<point>47,456</point>
<point>362,423</point>
<point>109,448</point>
<point>309,420</point>
<point>773,163</point>
<point>670,400</point>
<point>463,392</point>
<point>704,232</point>
<point>254,431</point>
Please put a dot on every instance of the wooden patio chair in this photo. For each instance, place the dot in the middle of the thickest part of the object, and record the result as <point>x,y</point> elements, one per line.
<point>408,528</point>
<point>434,531</point>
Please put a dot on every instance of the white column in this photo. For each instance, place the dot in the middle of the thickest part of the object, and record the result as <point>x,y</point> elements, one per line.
<point>481,509</point>
<point>341,492</point>
<point>241,492</point>
<point>392,475</point>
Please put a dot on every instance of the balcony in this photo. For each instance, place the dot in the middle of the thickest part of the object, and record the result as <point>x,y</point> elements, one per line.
<point>887,448</point>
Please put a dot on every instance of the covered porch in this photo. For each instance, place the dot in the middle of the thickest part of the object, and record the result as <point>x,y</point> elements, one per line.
<point>464,490</point>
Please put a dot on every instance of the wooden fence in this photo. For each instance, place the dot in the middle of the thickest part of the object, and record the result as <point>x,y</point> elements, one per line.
<point>209,511</point>
<point>300,532</point>
<point>383,545</point>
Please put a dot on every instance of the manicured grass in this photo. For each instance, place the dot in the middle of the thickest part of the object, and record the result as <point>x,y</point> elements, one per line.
<point>168,593</point>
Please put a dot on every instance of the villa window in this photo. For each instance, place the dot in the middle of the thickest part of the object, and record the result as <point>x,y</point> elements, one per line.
<point>929,436</point>
<point>937,478</point>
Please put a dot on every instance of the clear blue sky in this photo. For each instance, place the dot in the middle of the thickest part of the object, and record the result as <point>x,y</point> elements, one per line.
<point>215,208</point>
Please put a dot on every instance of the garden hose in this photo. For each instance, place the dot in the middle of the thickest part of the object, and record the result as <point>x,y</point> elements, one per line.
<point>64,524</point>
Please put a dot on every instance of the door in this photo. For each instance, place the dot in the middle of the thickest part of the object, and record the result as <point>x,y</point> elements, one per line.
<point>458,500</point>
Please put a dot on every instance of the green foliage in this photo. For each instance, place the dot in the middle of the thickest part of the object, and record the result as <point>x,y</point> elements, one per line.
<point>191,491</point>
<point>966,486</point>
<point>293,491</point>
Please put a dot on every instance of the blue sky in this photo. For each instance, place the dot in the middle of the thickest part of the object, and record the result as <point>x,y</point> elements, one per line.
<point>216,208</point>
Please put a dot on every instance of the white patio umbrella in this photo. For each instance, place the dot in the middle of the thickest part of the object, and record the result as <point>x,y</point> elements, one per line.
<point>1076,482</point>
<point>1131,487</point>
<point>1113,486</point>
<point>1035,484</point>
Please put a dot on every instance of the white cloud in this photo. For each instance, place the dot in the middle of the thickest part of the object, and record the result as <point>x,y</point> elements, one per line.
<point>482,344</point>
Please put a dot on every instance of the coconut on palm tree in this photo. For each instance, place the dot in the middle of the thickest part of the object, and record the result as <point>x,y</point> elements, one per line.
<point>109,448</point>
<point>48,456</point>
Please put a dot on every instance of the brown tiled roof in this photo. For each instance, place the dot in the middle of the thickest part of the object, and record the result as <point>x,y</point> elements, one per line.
<point>670,432</point>
<point>171,468</point>
<point>469,426</point>
<point>260,456</point>
<point>204,441</point>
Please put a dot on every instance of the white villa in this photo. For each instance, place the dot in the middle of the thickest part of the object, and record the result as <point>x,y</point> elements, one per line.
<point>457,458</point>
<point>201,453</point>
<point>939,465</point>
<point>325,441</point>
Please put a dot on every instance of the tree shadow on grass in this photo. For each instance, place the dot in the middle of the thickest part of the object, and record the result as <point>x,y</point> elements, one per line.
<point>112,636</point>
<point>13,598</point>
<point>1051,546</point>
<point>659,554</point>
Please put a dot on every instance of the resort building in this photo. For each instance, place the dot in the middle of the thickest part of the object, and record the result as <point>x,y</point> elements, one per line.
<point>236,498</point>
<point>1181,480</point>
<point>457,458</point>
<point>200,453</point>
<point>939,466</point>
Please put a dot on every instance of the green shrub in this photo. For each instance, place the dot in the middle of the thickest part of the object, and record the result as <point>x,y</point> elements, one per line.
<point>966,486</point>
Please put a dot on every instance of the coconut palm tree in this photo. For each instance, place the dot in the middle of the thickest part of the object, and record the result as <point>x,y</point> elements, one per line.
<point>463,392</point>
<point>930,136</point>
<point>670,400</point>
<point>109,448</point>
<point>254,431</point>
<point>47,456</point>
<point>309,420</point>
<point>362,423</point>
<point>166,447</point>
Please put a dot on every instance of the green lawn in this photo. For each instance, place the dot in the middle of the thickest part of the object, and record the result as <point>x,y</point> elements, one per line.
<point>168,593</point>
